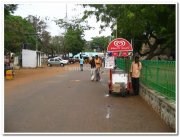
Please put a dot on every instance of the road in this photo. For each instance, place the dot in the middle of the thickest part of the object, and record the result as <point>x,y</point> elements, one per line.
<point>68,102</point>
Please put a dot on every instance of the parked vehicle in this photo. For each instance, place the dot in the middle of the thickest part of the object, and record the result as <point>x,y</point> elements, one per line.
<point>65,61</point>
<point>71,60</point>
<point>76,59</point>
<point>56,61</point>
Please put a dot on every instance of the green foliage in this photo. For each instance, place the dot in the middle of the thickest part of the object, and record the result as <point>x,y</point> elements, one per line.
<point>57,43</point>
<point>19,31</point>
<point>74,42</point>
<point>99,42</point>
<point>29,31</point>
<point>73,37</point>
<point>135,20</point>
<point>45,40</point>
<point>16,32</point>
<point>41,34</point>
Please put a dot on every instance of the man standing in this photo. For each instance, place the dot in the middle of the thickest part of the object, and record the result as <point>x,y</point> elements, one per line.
<point>98,64</point>
<point>93,67</point>
<point>81,62</point>
<point>135,74</point>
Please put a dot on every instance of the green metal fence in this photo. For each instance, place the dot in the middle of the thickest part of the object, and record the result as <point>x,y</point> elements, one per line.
<point>157,75</point>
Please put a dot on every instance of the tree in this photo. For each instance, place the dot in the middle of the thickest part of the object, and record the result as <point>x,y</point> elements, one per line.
<point>73,36</point>
<point>155,20</point>
<point>57,42</point>
<point>45,41</point>
<point>27,33</point>
<point>100,43</point>
<point>15,32</point>
<point>73,41</point>
<point>39,27</point>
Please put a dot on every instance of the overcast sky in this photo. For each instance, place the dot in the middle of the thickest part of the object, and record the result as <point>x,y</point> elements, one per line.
<point>57,10</point>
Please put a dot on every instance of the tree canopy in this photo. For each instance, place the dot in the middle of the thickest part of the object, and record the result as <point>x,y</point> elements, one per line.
<point>29,32</point>
<point>73,36</point>
<point>16,30</point>
<point>138,22</point>
<point>99,43</point>
<point>73,40</point>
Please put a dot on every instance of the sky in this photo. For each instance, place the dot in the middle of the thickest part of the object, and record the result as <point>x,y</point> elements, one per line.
<point>57,10</point>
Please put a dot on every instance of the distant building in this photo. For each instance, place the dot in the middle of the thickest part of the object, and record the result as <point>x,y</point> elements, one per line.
<point>88,54</point>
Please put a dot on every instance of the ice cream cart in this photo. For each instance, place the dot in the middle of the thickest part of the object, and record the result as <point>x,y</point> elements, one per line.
<point>119,80</point>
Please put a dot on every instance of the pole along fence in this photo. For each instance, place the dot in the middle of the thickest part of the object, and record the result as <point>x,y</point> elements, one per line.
<point>157,75</point>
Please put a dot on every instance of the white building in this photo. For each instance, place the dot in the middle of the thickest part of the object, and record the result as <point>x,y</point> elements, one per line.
<point>31,59</point>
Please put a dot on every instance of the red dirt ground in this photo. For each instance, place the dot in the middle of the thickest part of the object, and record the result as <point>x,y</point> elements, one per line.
<point>24,75</point>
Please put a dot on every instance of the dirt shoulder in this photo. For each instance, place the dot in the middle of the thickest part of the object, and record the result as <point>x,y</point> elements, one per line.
<point>25,75</point>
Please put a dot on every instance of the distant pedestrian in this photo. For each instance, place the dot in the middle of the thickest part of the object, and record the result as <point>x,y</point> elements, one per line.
<point>93,67</point>
<point>98,64</point>
<point>135,74</point>
<point>81,62</point>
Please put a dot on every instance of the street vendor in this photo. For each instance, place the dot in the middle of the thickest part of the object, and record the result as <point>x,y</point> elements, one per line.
<point>135,74</point>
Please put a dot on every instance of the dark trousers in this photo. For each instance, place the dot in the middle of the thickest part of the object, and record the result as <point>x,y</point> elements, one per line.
<point>97,72</point>
<point>135,85</point>
<point>81,67</point>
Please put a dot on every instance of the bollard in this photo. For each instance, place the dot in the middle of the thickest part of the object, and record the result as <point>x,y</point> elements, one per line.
<point>9,74</point>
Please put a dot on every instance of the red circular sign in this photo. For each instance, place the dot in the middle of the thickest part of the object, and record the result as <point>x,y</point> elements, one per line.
<point>119,44</point>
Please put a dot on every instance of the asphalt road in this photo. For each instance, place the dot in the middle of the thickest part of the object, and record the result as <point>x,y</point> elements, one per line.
<point>70,103</point>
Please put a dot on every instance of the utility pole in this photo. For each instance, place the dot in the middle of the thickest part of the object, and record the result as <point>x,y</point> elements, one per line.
<point>66,19</point>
